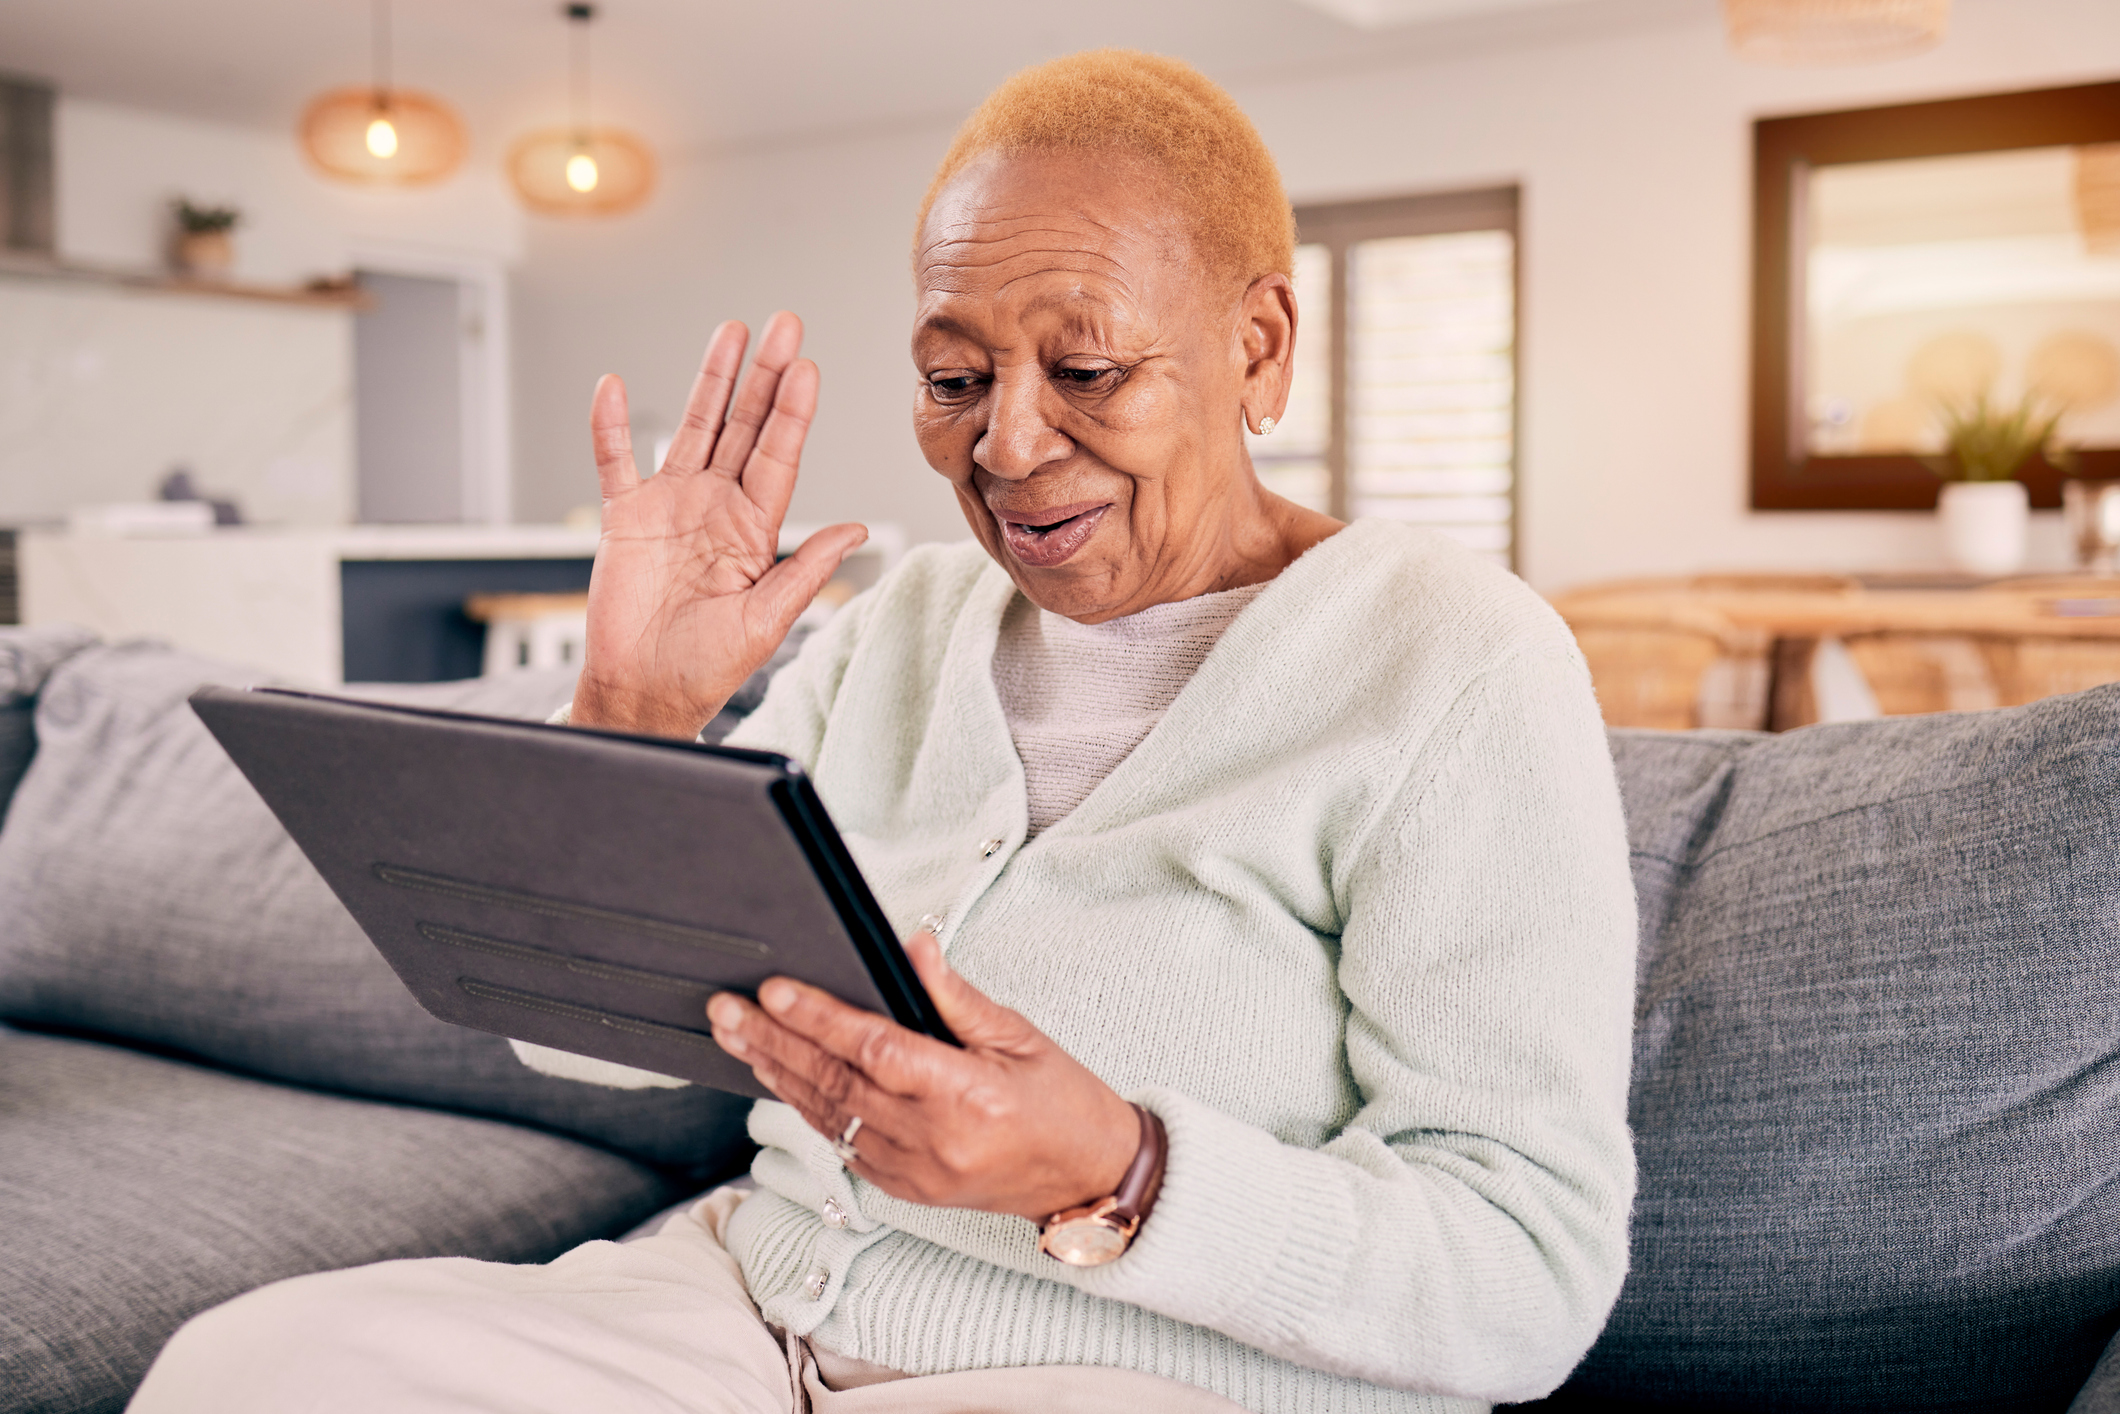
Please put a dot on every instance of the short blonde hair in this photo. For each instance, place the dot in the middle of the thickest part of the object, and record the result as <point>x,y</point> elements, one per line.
<point>1164,110</point>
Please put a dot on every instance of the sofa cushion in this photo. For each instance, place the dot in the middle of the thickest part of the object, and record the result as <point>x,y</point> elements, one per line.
<point>27,658</point>
<point>138,1191</point>
<point>1673,784</point>
<point>148,894</point>
<point>1877,1067</point>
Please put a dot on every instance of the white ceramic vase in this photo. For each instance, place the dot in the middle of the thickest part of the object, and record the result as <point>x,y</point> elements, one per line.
<point>1984,524</point>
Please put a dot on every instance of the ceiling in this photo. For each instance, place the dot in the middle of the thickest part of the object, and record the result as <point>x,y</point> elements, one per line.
<point>706,75</point>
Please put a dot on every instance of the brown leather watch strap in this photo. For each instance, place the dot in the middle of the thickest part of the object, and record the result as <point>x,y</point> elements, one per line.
<point>1144,1176</point>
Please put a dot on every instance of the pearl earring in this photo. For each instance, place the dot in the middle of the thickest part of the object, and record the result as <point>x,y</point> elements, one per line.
<point>1266,427</point>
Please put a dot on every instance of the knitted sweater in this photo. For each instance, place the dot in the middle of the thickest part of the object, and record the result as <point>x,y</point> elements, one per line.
<point>1354,919</point>
<point>1079,697</point>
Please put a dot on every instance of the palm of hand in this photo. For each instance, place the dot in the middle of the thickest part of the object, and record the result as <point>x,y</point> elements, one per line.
<point>679,611</point>
<point>687,600</point>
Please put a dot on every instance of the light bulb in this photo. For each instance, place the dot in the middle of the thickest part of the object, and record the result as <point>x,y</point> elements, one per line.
<point>406,138</point>
<point>581,172</point>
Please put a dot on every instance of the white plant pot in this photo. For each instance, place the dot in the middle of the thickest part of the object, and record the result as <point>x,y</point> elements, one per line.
<point>1984,524</point>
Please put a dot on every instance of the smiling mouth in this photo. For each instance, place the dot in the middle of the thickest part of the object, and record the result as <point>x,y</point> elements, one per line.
<point>1053,536</point>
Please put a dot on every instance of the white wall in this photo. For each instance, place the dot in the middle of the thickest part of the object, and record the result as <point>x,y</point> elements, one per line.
<point>824,230</point>
<point>103,390</point>
<point>119,169</point>
<point>1635,160</point>
<point>1634,155</point>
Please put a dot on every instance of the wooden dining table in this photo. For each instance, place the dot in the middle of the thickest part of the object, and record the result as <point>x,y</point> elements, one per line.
<point>2033,636</point>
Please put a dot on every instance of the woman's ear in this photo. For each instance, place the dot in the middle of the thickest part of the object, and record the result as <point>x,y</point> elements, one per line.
<point>1269,336</point>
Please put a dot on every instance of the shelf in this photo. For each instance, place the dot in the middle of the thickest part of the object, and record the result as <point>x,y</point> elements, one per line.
<point>320,296</point>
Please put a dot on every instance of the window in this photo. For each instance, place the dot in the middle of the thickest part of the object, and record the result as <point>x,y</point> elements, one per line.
<point>1404,399</point>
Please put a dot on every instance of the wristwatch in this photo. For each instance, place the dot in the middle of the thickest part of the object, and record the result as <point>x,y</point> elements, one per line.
<point>1099,1232</point>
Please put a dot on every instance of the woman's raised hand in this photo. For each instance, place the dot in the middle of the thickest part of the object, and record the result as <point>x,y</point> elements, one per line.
<point>686,600</point>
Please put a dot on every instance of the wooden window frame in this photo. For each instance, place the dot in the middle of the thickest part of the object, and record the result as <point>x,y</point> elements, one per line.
<point>1340,225</point>
<point>1785,475</point>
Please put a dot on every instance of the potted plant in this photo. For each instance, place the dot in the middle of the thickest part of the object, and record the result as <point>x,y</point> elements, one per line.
<point>1983,507</point>
<point>204,249</point>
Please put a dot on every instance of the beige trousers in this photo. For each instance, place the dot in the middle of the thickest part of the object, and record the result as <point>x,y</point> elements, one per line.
<point>661,1324</point>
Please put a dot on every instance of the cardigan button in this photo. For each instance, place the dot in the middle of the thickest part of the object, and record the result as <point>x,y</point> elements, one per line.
<point>931,922</point>
<point>991,848</point>
<point>816,1282</point>
<point>833,1214</point>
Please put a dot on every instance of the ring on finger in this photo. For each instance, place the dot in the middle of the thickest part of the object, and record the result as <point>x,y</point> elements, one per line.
<point>843,1146</point>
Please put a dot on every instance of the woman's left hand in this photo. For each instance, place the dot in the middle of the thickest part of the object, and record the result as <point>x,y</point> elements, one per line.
<point>1009,1124</point>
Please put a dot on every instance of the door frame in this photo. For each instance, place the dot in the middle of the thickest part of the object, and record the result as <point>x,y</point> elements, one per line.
<point>484,385</point>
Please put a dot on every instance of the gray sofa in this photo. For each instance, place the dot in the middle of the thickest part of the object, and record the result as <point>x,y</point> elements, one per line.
<point>1876,1091</point>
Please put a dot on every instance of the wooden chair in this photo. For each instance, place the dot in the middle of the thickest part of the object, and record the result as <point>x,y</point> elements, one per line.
<point>1912,673</point>
<point>1684,668</point>
<point>1663,654</point>
<point>2027,669</point>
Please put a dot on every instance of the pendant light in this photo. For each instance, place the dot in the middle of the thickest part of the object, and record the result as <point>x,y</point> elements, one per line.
<point>379,133</point>
<point>580,170</point>
<point>1834,31</point>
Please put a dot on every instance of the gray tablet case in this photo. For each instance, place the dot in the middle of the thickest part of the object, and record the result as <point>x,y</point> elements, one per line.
<point>580,889</point>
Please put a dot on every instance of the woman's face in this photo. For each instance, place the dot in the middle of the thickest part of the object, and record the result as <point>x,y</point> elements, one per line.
<point>1083,382</point>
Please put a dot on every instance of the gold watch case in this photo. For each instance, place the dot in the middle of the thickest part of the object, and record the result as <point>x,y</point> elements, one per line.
<point>1088,1237</point>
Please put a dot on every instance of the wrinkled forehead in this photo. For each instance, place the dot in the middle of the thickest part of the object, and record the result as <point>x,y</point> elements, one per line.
<point>1105,217</point>
<point>1086,236</point>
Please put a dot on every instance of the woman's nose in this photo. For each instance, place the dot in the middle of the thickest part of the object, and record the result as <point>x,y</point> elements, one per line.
<point>1020,436</point>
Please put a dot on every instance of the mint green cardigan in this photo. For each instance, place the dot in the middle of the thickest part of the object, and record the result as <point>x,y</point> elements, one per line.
<point>1355,919</point>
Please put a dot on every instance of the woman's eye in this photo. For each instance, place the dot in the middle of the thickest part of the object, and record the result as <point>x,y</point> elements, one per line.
<point>1083,377</point>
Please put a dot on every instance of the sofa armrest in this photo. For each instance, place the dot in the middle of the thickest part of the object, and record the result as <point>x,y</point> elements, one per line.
<point>27,658</point>
<point>2101,1392</point>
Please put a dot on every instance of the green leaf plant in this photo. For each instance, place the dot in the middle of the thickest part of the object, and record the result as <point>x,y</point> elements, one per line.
<point>1983,442</point>
<point>198,220</point>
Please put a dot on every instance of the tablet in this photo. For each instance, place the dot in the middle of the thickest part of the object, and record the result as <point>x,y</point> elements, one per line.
<point>581,889</point>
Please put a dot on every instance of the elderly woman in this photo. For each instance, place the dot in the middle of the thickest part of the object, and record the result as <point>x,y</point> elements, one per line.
<point>1270,870</point>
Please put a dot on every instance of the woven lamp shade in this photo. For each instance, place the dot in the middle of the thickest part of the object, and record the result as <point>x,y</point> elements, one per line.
<point>424,142</point>
<point>2098,196</point>
<point>1834,31</point>
<point>547,172</point>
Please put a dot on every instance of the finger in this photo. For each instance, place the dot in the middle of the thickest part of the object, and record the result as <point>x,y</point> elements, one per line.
<point>876,1149</point>
<point>777,348</point>
<point>797,1068</point>
<point>976,1019</point>
<point>876,1153</point>
<point>612,437</point>
<point>709,398</point>
<point>897,1060</point>
<point>769,472</point>
<point>781,594</point>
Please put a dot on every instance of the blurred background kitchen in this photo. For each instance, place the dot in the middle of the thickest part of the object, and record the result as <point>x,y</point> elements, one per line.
<point>1767,337</point>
